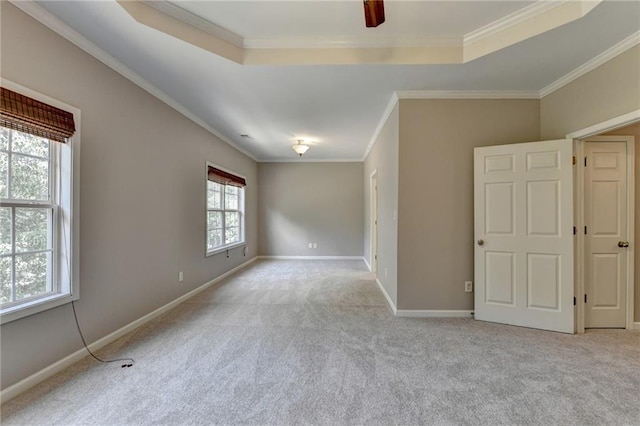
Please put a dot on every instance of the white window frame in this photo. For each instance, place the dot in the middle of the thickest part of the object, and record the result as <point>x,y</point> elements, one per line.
<point>64,185</point>
<point>241,209</point>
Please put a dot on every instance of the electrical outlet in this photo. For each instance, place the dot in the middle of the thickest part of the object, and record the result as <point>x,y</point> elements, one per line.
<point>468,286</point>
<point>180,276</point>
<point>310,245</point>
<point>315,245</point>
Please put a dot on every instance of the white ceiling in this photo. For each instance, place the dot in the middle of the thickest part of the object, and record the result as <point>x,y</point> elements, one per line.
<point>343,21</point>
<point>337,106</point>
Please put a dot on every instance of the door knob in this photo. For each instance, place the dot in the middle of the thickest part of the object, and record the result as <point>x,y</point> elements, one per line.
<point>480,242</point>
<point>623,244</point>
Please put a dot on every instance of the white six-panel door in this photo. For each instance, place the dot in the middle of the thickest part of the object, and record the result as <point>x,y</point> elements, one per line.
<point>605,213</point>
<point>524,235</point>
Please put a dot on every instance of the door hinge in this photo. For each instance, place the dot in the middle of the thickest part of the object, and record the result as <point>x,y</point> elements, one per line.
<point>585,298</point>
<point>585,161</point>
<point>585,230</point>
<point>375,256</point>
<point>575,231</point>
<point>574,160</point>
<point>574,301</point>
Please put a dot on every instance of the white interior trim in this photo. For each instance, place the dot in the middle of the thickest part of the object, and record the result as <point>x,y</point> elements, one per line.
<point>59,27</point>
<point>523,24</point>
<point>367,263</point>
<point>52,22</point>
<point>579,259</point>
<point>414,313</point>
<point>528,22</point>
<point>592,64</point>
<point>443,94</point>
<point>636,326</point>
<point>386,296</point>
<point>311,160</point>
<point>606,126</point>
<point>631,231</point>
<point>71,207</point>
<point>373,218</point>
<point>183,15</point>
<point>522,15</point>
<point>468,94</point>
<point>312,257</point>
<point>45,373</point>
<point>383,120</point>
<point>354,42</point>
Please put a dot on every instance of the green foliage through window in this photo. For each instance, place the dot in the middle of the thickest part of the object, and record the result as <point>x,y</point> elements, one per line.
<point>224,215</point>
<point>26,216</point>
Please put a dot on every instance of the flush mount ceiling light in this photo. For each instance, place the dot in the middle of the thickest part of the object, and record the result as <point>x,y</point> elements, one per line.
<point>300,148</point>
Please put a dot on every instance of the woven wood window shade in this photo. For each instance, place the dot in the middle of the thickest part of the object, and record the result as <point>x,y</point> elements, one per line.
<point>225,178</point>
<point>24,114</point>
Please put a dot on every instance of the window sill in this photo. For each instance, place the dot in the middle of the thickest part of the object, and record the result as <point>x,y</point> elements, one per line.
<point>224,248</point>
<point>17,312</point>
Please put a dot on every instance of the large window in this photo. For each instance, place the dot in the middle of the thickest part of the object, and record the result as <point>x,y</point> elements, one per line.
<point>225,209</point>
<point>36,203</point>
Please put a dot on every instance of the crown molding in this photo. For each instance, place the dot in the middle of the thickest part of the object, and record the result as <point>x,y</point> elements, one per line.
<point>532,20</point>
<point>468,94</point>
<point>340,43</point>
<point>443,94</point>
<point>310,160</point>
<point>56,25</point>
<point>146,14</point>
<point>606,56</point>
<point>383,120</point>
<point>605,126</point>
<point>196,21</point>
<point>543,16</point>
<point>49,20</point>
<point>173,10</point>
<point>517,17</point>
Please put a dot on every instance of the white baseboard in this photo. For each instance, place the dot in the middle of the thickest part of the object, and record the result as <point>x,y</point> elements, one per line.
<point>386,295</point>
<point>312,257</point>
<point>636,326</point>
<point>433,313</point>
<point>16,389</point>
<point>366,262</point>
<point>421,313</point>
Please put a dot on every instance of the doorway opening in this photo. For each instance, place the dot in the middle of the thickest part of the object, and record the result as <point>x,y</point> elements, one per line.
<point>373,252</point>
<point>605,219</point>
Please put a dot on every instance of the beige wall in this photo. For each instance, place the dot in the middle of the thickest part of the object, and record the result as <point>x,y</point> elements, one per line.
<point>310,202</point>
<point>383,158</point>
<point>609,91</point>
<point>142,197</point>
<point>435,222</point>
<point>634,130</point>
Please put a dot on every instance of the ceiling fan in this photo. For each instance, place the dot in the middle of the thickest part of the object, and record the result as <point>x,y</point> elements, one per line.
<point>373,12</point>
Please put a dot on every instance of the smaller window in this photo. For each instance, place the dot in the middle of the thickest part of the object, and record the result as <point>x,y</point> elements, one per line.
<point>225,209</point>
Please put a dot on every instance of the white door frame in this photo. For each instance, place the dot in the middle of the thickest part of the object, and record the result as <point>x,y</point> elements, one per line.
<point>373,217</point>
<point>580,136</point>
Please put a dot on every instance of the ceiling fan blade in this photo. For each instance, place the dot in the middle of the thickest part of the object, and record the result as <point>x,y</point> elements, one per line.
<point>373,13</point>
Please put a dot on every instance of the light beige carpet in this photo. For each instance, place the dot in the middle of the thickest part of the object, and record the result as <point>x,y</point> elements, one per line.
<point>314,342</point>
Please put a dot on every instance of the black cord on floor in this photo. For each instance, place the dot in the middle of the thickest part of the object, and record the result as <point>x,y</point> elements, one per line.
<point>128,362</point>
